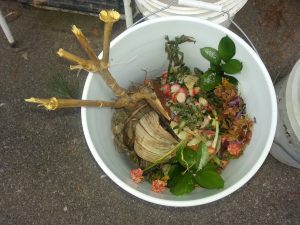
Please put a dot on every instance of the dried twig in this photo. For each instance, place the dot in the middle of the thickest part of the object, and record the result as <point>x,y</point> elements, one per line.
<point>127,102</point>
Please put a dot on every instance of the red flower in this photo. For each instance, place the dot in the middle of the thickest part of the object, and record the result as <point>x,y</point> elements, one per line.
<point>234,149</point>
<point>137,175</point>
<point>158,186</point>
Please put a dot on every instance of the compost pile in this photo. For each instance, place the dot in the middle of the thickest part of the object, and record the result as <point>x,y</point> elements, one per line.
<point>206,128</point>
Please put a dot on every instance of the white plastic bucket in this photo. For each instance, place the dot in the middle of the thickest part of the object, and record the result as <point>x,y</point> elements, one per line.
<point>286,147</point>
<point>142,47</point>
<point>147,7</point>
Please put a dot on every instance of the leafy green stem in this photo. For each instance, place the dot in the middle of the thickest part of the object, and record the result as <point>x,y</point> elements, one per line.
<point>161,159</point>
<point>215,141</point>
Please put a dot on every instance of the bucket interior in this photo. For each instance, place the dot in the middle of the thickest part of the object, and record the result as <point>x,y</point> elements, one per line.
<point>139,51</point>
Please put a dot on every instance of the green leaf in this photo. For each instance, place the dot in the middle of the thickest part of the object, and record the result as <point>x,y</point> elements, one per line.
<point>226,48</point>
<point>211,55</point>
<point>197,71</point>
<point>185,183</point>
<point>216,68</point>
<point>186,157</point>
<point>232,66</point>
<point>172,160</point>
<point>217,160</point>
<point>231,79</point>
<point>175,171</point>
<point>154,175</point>
<point>202,156</point>
<point>209,179</point>
<point>210,166</point>
<point>209,80</point>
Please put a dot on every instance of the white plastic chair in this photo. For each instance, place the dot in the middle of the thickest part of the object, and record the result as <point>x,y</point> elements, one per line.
<point>6,30</point>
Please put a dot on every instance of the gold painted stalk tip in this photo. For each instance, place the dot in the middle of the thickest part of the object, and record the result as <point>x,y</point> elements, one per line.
<point>76,30</point>
<point>60,52</point>
<point>49,104</point>
<point>109,16</point>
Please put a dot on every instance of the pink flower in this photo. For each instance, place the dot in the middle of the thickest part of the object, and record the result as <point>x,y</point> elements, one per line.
<point>234,149</point>
<point>158,186</point>
<point>137,175</point>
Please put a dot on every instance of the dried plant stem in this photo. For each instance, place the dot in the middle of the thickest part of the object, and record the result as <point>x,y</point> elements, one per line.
<point>132,100</point>
<point>54,103</point>
<point>106,43</point>
<point>93,64</point>
<point>157,106</point>
<point>82,63</point>
<point>112,83</point>
<point>84,44</point>
<point>134,113</point>
<point>71,57</point>
<point>109,17</point>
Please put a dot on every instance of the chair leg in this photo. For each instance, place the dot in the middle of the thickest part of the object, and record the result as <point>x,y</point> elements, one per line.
<point>128,13</point>
<point>6,30</point>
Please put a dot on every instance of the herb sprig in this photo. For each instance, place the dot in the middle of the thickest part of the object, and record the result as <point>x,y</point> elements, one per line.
<point>221,63</point>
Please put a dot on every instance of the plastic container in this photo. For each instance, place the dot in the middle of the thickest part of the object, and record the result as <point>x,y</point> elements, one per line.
<point>286,147</point>
<point>141,48</point>
<point>147,7</point>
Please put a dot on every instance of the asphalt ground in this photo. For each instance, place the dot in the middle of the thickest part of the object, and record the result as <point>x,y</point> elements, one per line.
<point>47,173</point>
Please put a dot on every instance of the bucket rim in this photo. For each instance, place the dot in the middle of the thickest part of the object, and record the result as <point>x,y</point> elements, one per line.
<point>292,98</point>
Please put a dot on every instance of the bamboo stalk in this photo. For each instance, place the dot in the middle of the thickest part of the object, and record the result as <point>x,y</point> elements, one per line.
<point>112,83</point>
<point>109,17</point>
<point>54,103</point>
<point>84,43</point>
<point>106,43</point>
<point>87,65</point>
<point>71,57</point>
